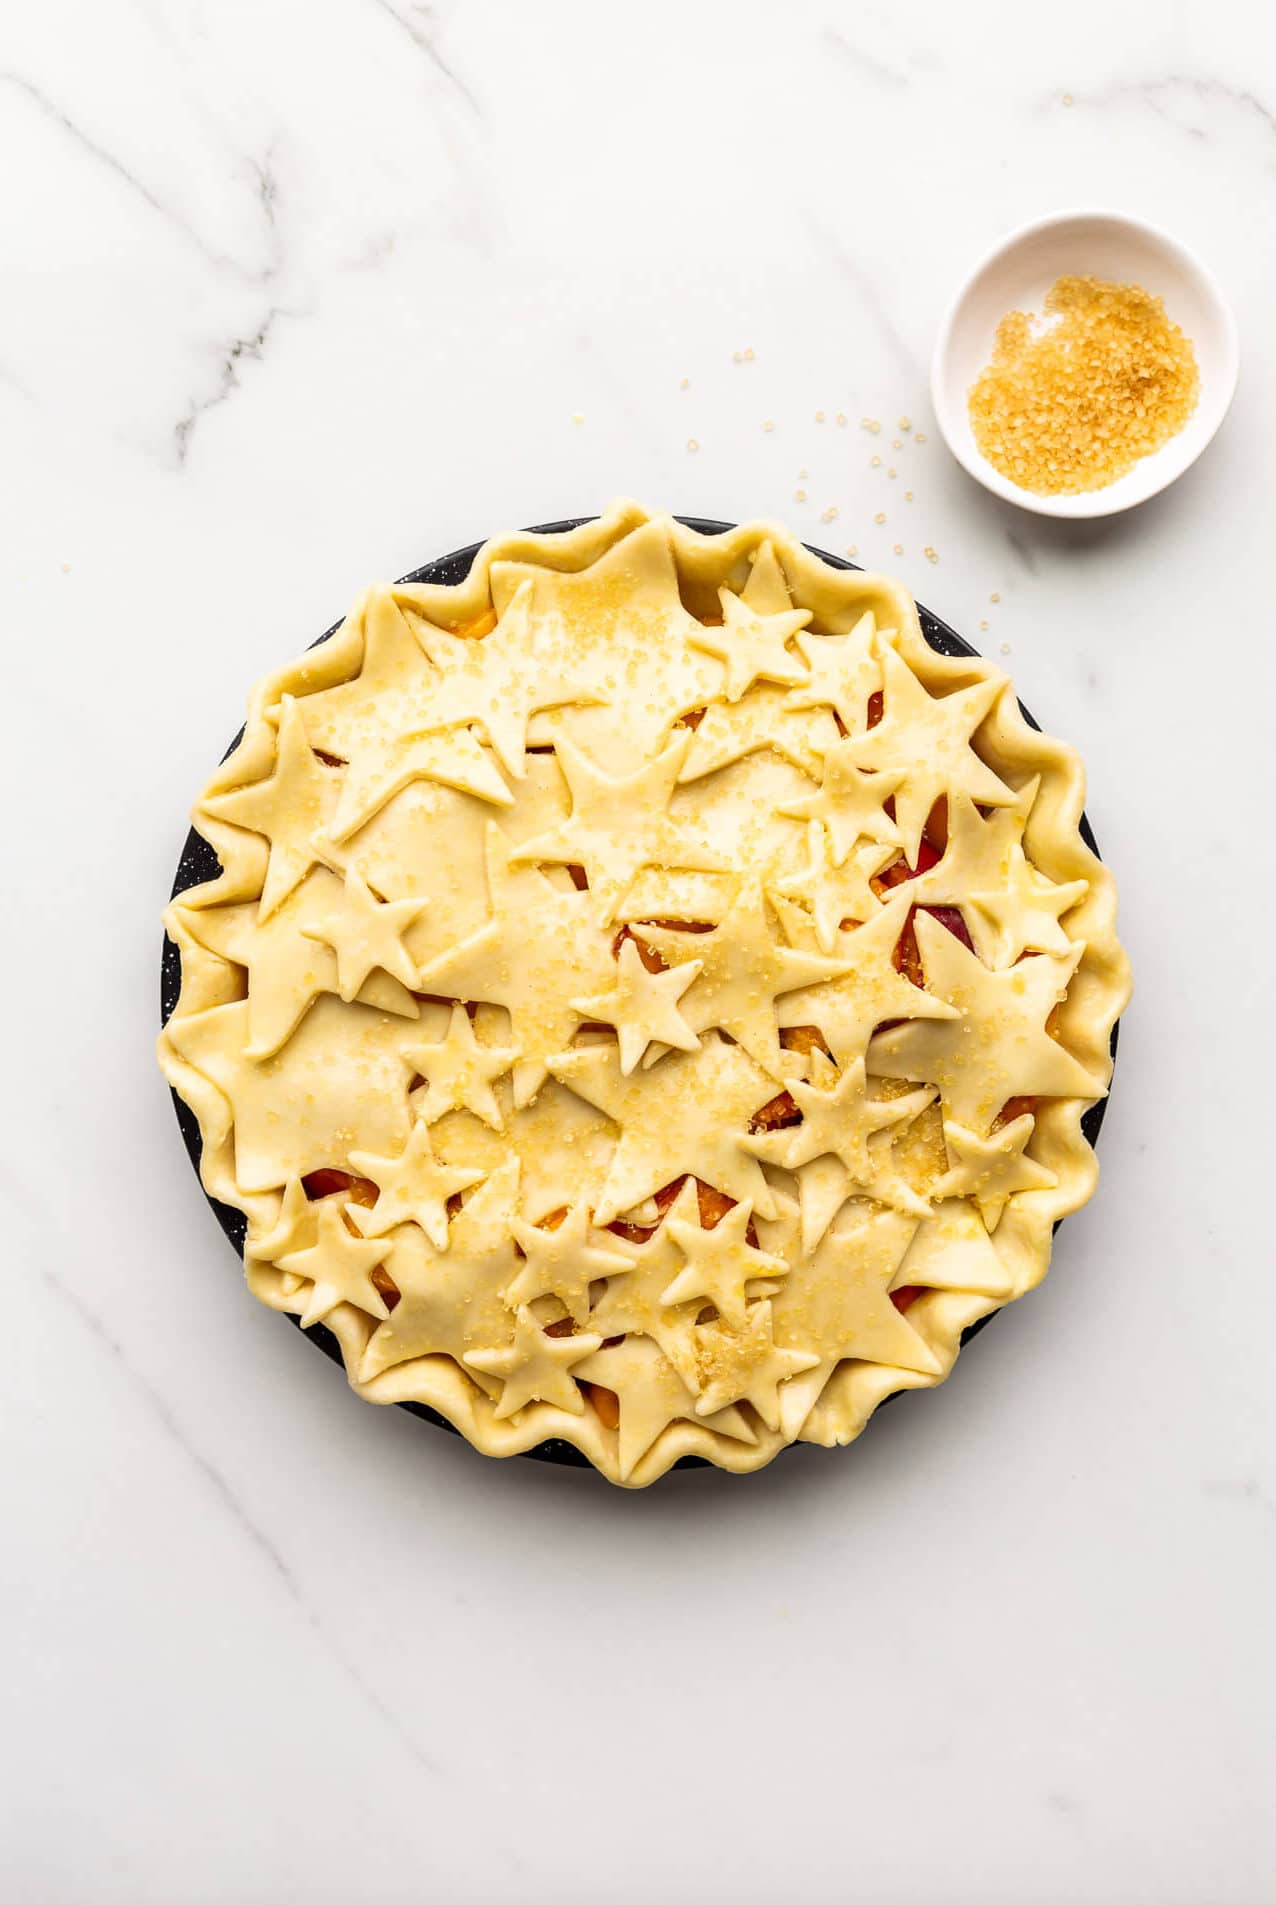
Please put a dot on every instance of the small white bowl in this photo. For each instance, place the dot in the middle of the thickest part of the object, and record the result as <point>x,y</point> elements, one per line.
<point>1016,276</point>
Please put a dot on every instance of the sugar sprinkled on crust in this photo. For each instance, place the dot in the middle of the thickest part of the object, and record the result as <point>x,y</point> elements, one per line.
<point>593,675</point>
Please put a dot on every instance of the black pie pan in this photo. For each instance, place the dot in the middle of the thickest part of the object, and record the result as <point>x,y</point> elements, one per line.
<point>199,863</point>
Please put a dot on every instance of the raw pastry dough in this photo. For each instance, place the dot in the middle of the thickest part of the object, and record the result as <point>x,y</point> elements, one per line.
<point>650,996</point>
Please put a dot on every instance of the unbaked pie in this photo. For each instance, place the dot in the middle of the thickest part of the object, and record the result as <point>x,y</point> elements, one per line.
<point>650,997</point>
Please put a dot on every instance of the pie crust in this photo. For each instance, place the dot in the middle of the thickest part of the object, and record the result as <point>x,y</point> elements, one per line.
<point>650,996</point>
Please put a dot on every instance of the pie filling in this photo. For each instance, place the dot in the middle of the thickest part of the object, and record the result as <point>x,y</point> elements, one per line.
<point>637,1023</point>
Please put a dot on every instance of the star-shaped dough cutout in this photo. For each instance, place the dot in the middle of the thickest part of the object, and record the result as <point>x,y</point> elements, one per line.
<point>367,935</point>
<point>414,1187</point>
<point>824,1186</point>
<point>1009,906</point>
<point>924,739</point>
<point>535,1367</point>
<point>736,810</point>
<point>991,1169</point>
<point>338,1081</point>
<point>287,969</point>
<point>501,679</point>
<point>617,613</point>
<point>952,1250</point>
<point>767,590</point>
<point>741,1361</point>
<point>430,842</point>
<point>383,724</point>
<point>843,1144</point>
<point>459,1073</point>
<point>651,1395</point>
<point>870,992</point>
<point>383,768</point>
<point>840,1120</point>
<point>850,803</point>
<point>844,673</point>
<point>977,852</point>
<point>294,1229</point>
<point>540,949</point>
<point>837,1302</point>
<point>719,1264</point>
<point>452,1301</point>
<point>290,807</point>
<point>643,1006</point>
<point>565,1146</point>
<point>392,692</point>
<point>339,1267</point>
<point>998,1048</point>
<point>690,1112</point>
<point>745,966</point>
<point>835,893</point>
<point>634,1298</point>
<point>563,1262</point>
<point>617,826</point>
<point>753,646</point>
<point>764,717</point>
<point>1026,911</point>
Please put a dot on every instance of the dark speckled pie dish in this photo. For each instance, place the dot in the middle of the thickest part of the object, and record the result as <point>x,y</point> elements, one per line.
<point>199,863</point>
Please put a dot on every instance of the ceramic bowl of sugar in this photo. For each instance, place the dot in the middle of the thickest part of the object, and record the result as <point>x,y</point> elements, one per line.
<point>1111,383</point>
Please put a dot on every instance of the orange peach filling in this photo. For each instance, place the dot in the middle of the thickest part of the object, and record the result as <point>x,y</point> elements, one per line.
<point>477,627</point>
<point>358,1190</point>
<point>906,957</point>
<point>606,1404</point>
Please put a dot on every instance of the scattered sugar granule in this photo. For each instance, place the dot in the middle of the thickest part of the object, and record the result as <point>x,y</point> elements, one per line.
<point>880,516</point>
<point>1073,407</point>
<point>930,554</point>
<point>870,423</point>
<point>577,417</point>
<point>905,423</point>
<point>892,473</point>
<point>899,548</point>
<point>819,416</point>
<point>748,354</point>
<point>692,444</point>
<point>684,383</point>
<point>908,495</point>
<point>829,515</point>
<point>984,626</point>
<point>919,436</point>
<point>768,425</point>
<point>994,597</point>
<point>896,443</point>
<point>841,418</point>
<point>1067,99</point>
<point>1005,648</point>
<point>799,495</point>
<point>852,549</point>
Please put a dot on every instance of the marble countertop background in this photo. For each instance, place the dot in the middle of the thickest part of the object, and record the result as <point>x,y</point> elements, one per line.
<point>296,295</point>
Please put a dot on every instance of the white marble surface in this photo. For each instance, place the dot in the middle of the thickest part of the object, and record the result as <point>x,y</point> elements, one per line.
<point>298,295</point>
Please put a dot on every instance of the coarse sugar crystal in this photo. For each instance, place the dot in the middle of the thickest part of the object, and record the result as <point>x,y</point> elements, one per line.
<point>1072,405</point>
